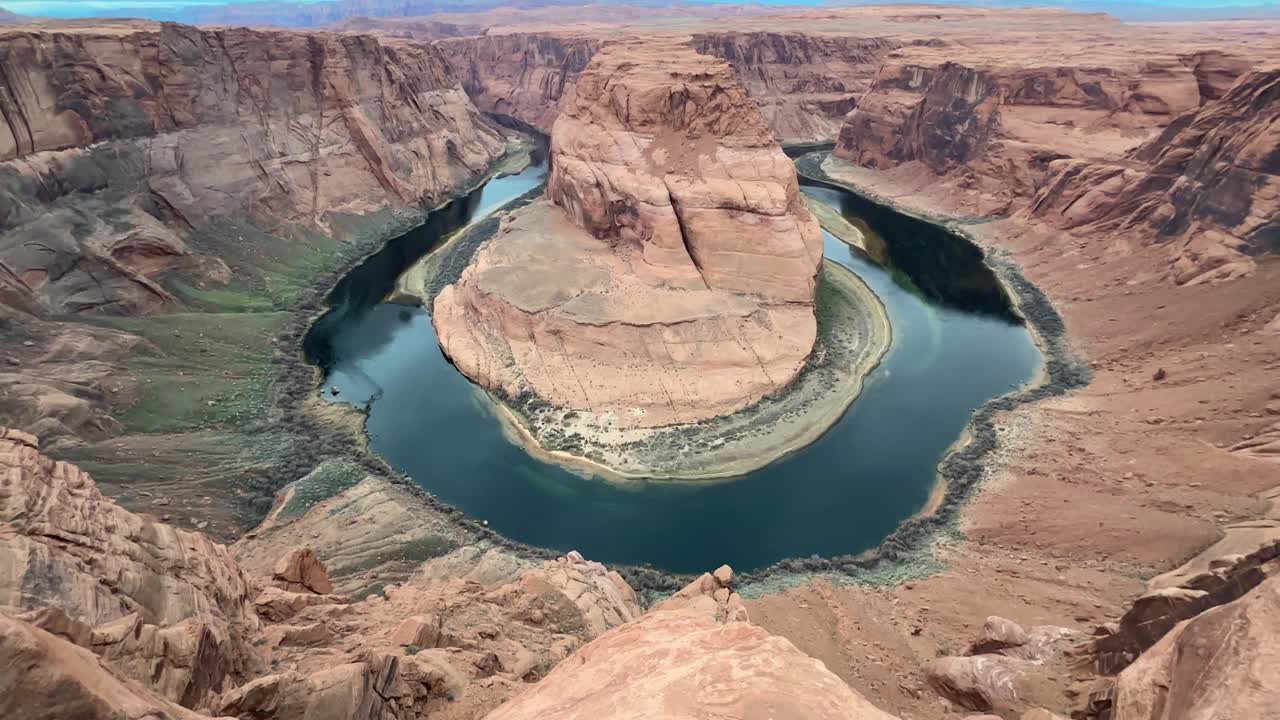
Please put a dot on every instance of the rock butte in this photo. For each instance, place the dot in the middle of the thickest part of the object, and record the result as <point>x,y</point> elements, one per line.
<point>694,257</point>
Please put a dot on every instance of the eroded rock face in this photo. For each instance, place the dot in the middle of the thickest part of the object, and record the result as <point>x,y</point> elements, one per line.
<point>993,127</point>
<point>688,659</point>
<point>1208,185</point>
<point>804,84</point>
<point>522,75</point>
<point>1158,612</point>
<point>301,571</point>
<point>661,149</point>
<point>45,677</point>
<point>121,144</point>
<point>165,605</point>
<point>447,649</point>
<point>1224,663</point>
<point>695,258</point>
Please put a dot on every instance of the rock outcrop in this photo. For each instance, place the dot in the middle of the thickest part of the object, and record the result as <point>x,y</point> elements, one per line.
<point>994,127</point>
<point>804,83</point>
<point>1005,668</point>
<point>45,677</point>
<point>132,152</point>
<point>1156,613</point>
<point>521,75</point>
<point>1208,186</point>
<point>166,606</point>
<point>1224,663</point>
<point>696,258</point>
<point>300,571</point>
<point>687,659</point>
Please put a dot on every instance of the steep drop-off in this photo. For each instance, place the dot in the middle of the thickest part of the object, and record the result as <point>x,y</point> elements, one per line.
<point>129,152</point>
<point>804,83</point>
<point>522,75</point>
<point>1208,185</point>
<point>105,614</point>
<point>994,128</point>
<point>695,257</point>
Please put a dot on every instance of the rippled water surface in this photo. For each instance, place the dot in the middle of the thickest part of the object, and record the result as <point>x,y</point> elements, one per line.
<point>954,347</point>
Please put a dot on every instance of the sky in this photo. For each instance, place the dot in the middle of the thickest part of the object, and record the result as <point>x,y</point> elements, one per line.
<point>165,9</point>
<point>82,8</point>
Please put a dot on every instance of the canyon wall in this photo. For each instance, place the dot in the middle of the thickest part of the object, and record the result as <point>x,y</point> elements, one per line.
<point>129,152</point>
<point>804,83</point>
<point>695,255</point>
<point>522,75</point>
<point>1208,185</point>
<point>995,127</point>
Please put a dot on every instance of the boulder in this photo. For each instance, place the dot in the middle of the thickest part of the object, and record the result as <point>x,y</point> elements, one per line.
<point>999,634</point>
<point>420,631</point>
<point>983,682</point>
<point>276,605</point>
<point>301,571</point>
<point>350,691</point>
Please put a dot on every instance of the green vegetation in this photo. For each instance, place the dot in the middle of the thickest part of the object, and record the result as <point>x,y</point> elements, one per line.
<point>328,479</point>
<point>199,370</point>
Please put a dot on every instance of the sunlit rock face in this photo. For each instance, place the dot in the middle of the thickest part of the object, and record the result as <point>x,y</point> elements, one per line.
<point>1209,185</point>
<point>669,276</point>
<point>128,150</point>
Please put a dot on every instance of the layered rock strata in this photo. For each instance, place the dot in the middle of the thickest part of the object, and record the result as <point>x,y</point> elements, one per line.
<point>161,604</point>
<point>994,127</point>
<point>127,151</point>
<point>1207,186</point>
<point>521,75</point>
<point>695,257</point>
<point>804,83</point>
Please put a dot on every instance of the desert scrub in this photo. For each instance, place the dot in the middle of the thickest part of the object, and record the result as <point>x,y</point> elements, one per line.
<point>199,370</point>
<point>330,477</point>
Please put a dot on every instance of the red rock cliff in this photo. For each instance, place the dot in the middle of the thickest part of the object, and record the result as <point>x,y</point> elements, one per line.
<point>694,256</point>
<point>121,142</point>
<point>1208,185</point>
<point>522,75</point>
<point>804,83</point>
<point>995,127</point>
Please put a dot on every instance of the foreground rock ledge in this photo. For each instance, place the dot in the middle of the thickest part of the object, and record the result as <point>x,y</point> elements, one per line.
<point>670,275</point>
<point>566,638</point>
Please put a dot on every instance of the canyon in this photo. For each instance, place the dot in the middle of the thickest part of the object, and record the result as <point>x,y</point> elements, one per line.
<point>179,201</point>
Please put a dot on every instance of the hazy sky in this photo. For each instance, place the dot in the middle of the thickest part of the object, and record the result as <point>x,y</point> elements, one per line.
<point>77,8</point>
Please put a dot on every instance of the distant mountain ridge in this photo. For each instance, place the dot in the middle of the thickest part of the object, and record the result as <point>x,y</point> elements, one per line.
<point>326,12</point>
